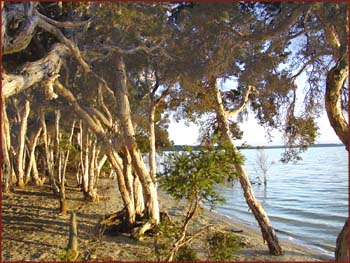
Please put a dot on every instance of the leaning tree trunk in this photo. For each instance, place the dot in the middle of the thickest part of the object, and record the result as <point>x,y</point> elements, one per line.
<point>258,211</point>
<point>123,109</point>
<point>335,80</point>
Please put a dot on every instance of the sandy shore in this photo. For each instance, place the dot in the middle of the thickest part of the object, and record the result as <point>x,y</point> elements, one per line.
<point>33,230</point>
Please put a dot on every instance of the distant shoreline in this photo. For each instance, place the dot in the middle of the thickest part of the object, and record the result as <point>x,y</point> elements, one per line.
<point>197,147</point>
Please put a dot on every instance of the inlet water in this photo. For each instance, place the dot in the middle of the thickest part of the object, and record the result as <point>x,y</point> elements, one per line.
<point>306,202</point>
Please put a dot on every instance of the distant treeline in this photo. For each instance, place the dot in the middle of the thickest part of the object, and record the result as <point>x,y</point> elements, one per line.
<point>198,147</point>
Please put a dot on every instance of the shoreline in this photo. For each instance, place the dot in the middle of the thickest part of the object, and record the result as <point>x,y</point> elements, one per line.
<point>257,250</point>
<point>284,236</point>
<point>32,229</point>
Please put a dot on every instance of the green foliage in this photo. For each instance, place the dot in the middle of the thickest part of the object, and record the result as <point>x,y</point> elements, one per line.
<point>189,173</point>
<point>68,256</point>
<point>222,246</point>
<point>186,254</point>
<point>166,235</point>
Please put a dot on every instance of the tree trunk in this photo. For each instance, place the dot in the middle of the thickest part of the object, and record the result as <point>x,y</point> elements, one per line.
<point>152,143</point>
<point>32,167</point>
<point>123,109</point>
<point>85,159</point>
<point>63,200</point>
<point>57,153</point>
<point>127,171</point>
<point>7,167</point>
<point>48,156</point>
<point>68,149</point>
<point>127,198</point>
<point>138,197</point>
<point>21,145</point>
<point>99,166</point>
<point>334,84</point>
<point>260,215</point>
<point>73,237</point>
<point>342,248</point>
<point>92,191</point>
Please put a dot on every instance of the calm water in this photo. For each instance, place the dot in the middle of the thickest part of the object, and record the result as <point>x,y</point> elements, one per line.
<point>306,201</point>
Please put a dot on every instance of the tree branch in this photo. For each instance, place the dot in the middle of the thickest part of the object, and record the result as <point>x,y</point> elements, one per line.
<point>244,102</point>
<point>73,48</point>
<point>84,115</point>
<point>34,72</point>
<point>312,60</point>
<point>274,32</point>
<point>63,24</point>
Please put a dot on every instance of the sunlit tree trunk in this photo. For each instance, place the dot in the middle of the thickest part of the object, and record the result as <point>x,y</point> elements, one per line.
<point>138,197</point>
<point>268,233</point>
<point>123,108</point>
<point>336,78</point>
<point>92,190</point>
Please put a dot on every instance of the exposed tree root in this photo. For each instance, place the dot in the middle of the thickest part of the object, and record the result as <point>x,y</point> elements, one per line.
<point>116,224</point>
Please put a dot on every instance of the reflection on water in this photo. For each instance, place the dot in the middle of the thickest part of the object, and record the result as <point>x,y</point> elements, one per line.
<point>305,201</point>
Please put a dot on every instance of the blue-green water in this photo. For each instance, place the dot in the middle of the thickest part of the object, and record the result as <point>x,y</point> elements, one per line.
<point>306,201</point>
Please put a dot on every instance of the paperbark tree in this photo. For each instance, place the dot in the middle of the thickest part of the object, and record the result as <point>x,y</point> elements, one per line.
<point>268,232</point>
